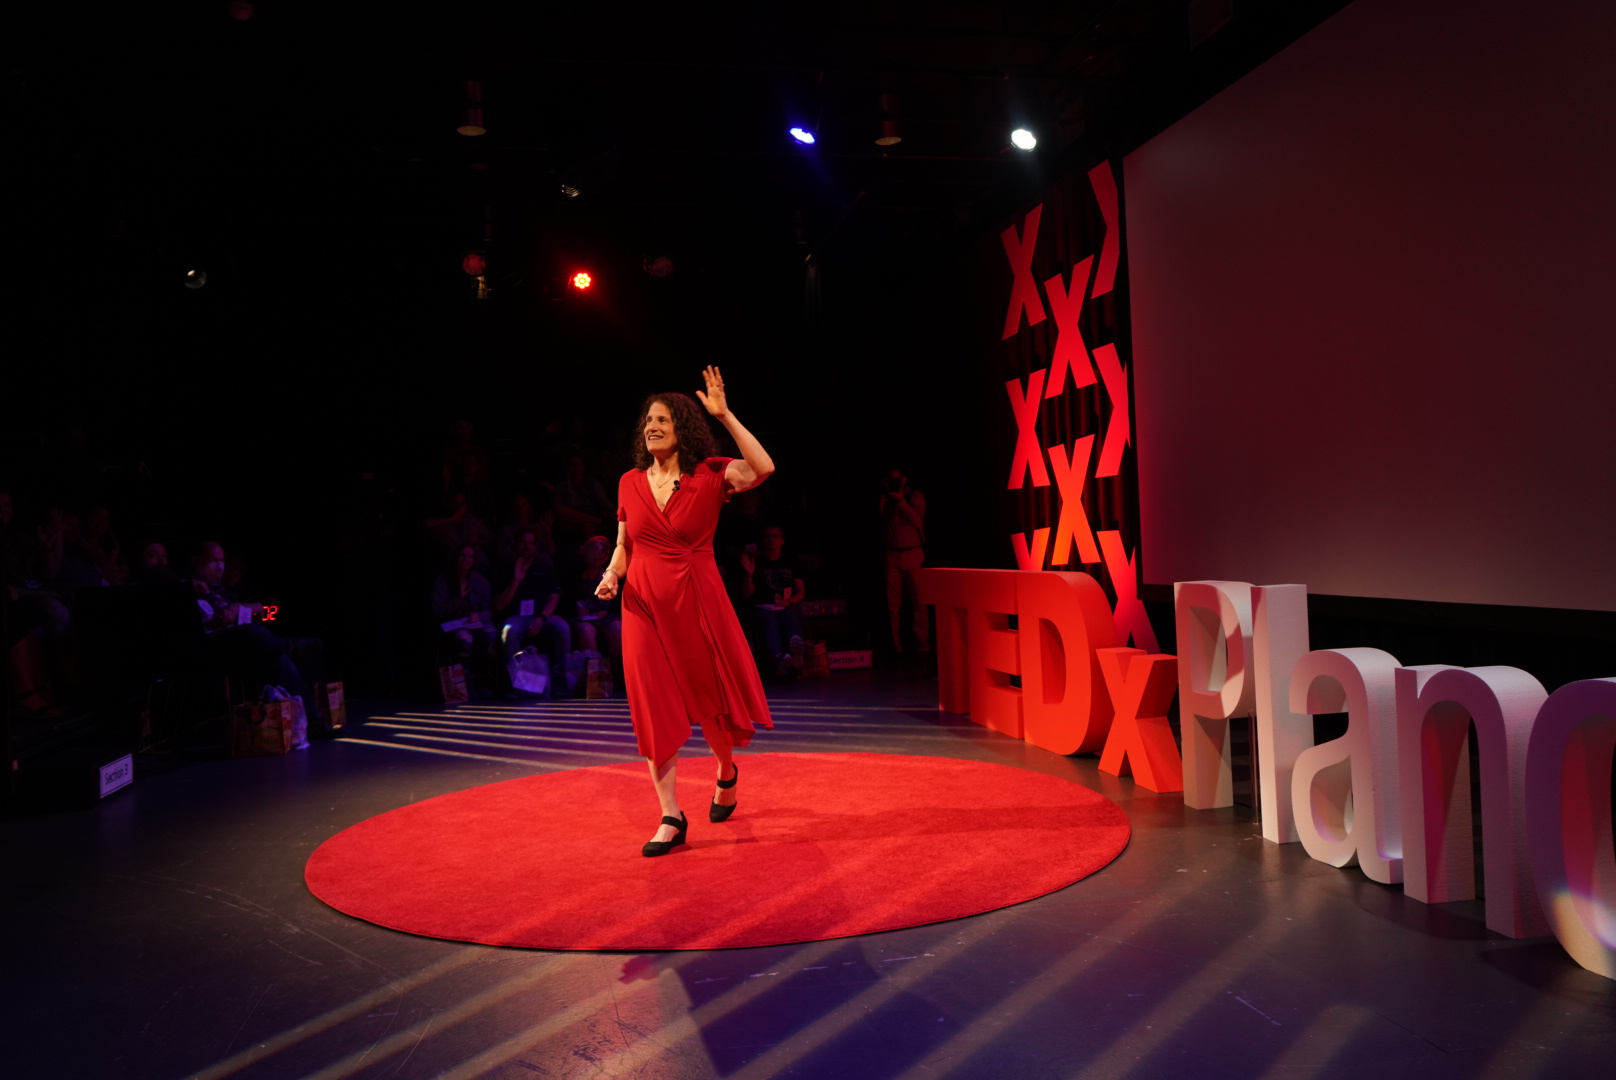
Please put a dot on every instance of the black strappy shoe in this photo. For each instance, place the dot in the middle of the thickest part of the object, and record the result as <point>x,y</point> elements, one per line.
<point>718,812</point>
<point>662,847</point>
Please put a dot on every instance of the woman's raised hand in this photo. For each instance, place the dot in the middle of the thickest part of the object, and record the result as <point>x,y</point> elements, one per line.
<point>714,397</point>
<point>607,589</point>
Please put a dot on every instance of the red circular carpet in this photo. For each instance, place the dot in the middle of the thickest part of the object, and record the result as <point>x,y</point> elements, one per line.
<point>822,846</point>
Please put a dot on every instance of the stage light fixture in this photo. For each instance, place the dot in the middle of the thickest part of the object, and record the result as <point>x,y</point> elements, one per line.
<point>1022,139</point>
<point>474,264</point>
<point>195,279</point>
<point>803,135</point>
<point>581,280</point>
<point>569,191</point>
<point>474,110</point>
<point>658,266</point>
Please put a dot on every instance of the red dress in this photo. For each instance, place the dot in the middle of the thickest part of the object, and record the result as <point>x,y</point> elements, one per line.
<point>685,657</point>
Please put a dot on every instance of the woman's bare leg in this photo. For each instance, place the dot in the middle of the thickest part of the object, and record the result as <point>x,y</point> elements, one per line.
<point>724,751</point>
<point>664,780</point>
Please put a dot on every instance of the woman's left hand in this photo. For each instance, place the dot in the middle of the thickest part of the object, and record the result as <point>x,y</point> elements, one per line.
<point>714,399</point>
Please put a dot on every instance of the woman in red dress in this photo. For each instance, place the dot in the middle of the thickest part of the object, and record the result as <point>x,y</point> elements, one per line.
<point>686,661</point>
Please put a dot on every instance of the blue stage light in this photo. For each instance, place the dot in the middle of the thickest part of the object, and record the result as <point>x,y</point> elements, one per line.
<point>803,135</point>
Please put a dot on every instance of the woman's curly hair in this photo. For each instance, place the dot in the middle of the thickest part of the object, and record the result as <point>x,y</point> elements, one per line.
<point>696,442</point>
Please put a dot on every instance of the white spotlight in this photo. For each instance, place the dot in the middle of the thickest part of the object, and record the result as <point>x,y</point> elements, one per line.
<point>1022,139</point>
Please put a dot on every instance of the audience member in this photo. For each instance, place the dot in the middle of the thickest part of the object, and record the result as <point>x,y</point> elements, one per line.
<point>526,605</point>
<point>903,521</point>
<point>151,565</point>
<point>524,517</point>
<point>465,465</point>
<point>597,625</point>
<point>75,568</point>
<point>235,644</point>
<point>772,584</point>
<point>581,504</point>
<point>740,529</point>
<point>462,601</point>
<point>461,527</point>
<point>37,621</point>
<point>16,546</point>
<point>100,546</point>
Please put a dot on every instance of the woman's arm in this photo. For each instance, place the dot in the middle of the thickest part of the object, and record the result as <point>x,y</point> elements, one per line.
<point>612,576</point>
<point>755,465</point>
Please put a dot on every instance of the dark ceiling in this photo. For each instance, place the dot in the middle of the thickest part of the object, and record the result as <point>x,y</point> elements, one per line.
<point>179,132</point>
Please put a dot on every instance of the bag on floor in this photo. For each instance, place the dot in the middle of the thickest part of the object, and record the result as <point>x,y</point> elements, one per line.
<point>452,678</point>
<point>299,717</point>
<point>578,668</point>
<point>600,678</point>
<point>330,711</point>
<point>258,728</point>
<point>530,671</point>
<point>815,664</point>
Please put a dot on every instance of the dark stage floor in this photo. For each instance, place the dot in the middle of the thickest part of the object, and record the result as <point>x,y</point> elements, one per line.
<point>167,933</point>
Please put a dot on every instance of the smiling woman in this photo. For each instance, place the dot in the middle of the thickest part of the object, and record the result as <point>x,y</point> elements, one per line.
<point>685,658</point>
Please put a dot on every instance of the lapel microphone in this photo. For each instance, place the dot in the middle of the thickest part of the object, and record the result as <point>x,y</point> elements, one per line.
<point>676,485</point>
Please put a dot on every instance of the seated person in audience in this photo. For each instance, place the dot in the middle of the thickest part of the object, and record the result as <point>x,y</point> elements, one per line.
<point>37,620</point>
<point>100,545</point>
<point>527,603</point>
<point>462,595</point>
<point>465,465</point>
<point>524,516</point>
<point>739,528</point>
<point>151,565</point>
<point>75,568</point>
<point>458,528</point>
<point>582,506</point>
<point>236,643</point>
<point>772,584</point>
<point>597,625</point>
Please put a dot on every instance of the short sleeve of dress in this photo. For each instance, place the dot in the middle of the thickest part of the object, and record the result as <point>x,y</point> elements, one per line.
<point>622,494</point>
<point>718,465</point>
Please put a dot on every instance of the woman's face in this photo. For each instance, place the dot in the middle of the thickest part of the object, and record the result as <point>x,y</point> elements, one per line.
<point>774,542</point>
<point>659,433</point>
<point>466,559</point>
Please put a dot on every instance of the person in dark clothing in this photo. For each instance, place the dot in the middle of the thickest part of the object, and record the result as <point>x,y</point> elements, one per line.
<point>462,596</point>
<point>772,583</point>
<point>597,625</point>
<point>903,526</point>
<point>237,645</point>
<point>150,566</point>
<point>581,503</point>
<point>526,604</point>
<point>525,515</point>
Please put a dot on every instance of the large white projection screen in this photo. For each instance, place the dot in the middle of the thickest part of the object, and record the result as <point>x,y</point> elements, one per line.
<point>1374,312</point>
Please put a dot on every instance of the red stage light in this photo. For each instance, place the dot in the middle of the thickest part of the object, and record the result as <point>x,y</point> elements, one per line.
<point>474,264</point>
<point>581,280</point>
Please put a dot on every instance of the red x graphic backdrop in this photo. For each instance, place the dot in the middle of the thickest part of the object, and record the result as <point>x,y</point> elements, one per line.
<point>1059,384</point>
